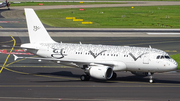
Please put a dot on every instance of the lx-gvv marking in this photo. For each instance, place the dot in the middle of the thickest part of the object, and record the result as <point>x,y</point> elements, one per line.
<point>98,61</point>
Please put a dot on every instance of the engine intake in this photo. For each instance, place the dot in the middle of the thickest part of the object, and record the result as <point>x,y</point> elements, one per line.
<point>101,72</point>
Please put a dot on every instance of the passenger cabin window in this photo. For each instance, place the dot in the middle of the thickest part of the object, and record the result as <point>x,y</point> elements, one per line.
<point>158,57</point>
<point>125,55</point>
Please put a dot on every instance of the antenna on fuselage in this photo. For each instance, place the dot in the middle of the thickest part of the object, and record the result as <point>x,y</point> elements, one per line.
<point>150,46</point>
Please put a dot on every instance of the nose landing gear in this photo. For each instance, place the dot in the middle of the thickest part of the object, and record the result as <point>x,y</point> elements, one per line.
<point>150,77</point>
<point>8,4</point>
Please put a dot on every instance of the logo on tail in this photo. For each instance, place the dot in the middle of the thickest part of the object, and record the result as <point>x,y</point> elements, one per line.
<point>36,28</point>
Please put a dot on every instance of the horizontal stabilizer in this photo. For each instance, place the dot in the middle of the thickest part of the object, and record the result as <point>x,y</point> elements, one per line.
<point>15,57</point>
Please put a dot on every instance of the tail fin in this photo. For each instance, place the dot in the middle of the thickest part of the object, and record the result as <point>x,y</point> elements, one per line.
<point>36,30</point>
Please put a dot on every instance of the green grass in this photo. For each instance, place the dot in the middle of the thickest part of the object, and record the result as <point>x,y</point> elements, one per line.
<point>111,0</point>
<point>176,57</point>
<point>61,3</point>
<point>134,0</point>
<point>119,17</point>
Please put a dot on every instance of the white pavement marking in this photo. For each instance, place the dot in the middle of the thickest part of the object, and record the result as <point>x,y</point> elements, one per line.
<point>163,33</point>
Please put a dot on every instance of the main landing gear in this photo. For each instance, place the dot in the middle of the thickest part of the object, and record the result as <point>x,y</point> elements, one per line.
<point>114,76</point>
<point>85,77</point>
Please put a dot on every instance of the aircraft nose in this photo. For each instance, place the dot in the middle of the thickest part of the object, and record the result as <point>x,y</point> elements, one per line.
<point>174,65</point>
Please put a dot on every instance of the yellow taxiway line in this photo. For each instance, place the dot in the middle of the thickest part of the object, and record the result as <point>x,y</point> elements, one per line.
<point>9,54</point>
<point>7,41</point>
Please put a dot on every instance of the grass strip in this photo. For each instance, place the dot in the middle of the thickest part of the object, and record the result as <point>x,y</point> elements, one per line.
<point>115,17</point>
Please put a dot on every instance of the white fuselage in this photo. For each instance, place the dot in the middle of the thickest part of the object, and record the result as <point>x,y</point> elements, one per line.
<point>3,4</point>
<point>98,61</point>
<point>125,58</point>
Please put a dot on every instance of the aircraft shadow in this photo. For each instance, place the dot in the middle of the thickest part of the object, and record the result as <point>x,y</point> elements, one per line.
<point>61,73</point>
<point>67,77</point>
<point>132,78</point>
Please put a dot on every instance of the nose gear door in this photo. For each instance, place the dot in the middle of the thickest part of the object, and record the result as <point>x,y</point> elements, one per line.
<point>145,59</point>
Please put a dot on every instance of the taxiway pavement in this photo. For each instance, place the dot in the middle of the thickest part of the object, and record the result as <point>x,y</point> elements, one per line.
<point>31,80</point>
<point>46,81</point>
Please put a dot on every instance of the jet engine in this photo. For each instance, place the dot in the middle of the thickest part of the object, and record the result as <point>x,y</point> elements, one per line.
<point>101,72</point>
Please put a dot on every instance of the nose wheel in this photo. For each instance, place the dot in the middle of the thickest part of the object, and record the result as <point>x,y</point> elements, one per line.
<point>8,4</point>
<point>150,77</point>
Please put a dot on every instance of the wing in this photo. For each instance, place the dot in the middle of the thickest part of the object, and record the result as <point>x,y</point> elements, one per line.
<point>85,62</point>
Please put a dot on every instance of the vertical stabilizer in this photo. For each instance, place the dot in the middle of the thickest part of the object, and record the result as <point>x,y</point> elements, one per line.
<point>36,30</point>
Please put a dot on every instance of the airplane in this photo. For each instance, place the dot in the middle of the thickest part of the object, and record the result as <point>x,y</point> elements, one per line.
<point>4,4</point>
<point>98,61</point>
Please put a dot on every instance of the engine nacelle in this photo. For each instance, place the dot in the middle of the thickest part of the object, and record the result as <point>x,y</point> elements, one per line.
<point>140,73</point>
<point>101,72</point>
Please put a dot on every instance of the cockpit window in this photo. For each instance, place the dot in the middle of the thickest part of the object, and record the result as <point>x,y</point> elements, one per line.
<point>167,57</point>
<point>162,57</point>
<point>158,57</point>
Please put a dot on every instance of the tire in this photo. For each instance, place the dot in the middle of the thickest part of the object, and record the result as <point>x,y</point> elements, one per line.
<point>114,76</point>
<point>85,77</point>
